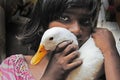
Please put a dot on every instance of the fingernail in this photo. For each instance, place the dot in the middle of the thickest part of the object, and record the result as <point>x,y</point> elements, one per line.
<point>69,41</point>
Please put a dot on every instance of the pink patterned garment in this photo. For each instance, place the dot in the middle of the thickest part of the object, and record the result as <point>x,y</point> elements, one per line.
<point>15,68</point>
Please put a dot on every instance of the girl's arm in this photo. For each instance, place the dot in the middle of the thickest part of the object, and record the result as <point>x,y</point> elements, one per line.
<point>105,41</point>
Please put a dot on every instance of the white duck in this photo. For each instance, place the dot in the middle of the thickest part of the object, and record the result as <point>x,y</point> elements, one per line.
<point>89,53</point>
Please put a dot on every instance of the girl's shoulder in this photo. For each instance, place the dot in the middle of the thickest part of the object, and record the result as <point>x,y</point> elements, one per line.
<point>13,60</point>
<point>16,66</point>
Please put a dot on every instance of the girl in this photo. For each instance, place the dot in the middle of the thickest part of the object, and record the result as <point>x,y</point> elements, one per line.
<point>78,16</point>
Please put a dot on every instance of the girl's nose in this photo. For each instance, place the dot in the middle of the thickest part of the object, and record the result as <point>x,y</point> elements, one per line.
<point>75,28</point>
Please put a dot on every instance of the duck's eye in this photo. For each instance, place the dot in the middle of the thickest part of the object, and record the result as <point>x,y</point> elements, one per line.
<point>51,38</point>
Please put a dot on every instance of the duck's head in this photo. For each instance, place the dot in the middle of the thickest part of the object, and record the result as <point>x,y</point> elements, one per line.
<point>50,39</point>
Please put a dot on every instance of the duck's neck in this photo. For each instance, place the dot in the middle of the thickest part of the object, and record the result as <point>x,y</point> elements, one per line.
<point>37,70</point>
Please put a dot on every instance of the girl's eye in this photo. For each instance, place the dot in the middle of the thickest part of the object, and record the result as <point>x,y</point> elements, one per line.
<point>64,18</point>
<point>85,22</point>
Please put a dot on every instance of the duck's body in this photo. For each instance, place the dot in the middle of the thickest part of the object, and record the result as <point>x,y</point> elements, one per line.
<point>92,62</point>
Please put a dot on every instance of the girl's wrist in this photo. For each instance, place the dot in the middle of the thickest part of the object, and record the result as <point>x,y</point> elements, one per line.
<point>110,52</point>
<point>48,77</point>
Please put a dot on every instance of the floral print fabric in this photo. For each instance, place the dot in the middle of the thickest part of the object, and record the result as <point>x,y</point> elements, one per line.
<point>15,68</point>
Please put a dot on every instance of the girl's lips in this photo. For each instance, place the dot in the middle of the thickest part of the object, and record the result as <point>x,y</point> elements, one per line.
<point>80,42</point>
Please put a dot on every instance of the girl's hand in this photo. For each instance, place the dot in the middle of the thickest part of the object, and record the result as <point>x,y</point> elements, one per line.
<point>104,39</point>
<point>62,61</point>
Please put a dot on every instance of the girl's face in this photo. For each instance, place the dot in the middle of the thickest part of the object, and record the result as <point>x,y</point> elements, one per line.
<point>74,19</point>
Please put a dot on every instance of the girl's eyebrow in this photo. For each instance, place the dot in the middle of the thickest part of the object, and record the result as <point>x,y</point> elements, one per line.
<point>69,13</point>
<point>76,11</point>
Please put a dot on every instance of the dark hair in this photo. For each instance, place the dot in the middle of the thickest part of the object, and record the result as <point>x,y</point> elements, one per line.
<point>46,11</point>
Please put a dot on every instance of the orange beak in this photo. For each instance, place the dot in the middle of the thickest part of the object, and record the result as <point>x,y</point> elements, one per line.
<point>40,54</point>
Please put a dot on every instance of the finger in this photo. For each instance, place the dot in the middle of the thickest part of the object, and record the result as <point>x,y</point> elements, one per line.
<point>70,48</point>
<point>74,64</point>
<point>60,47</point>
<point>72,56</point>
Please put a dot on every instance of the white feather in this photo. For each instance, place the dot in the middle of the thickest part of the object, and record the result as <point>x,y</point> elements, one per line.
<point>59,35</point>
<point>92,62</point>
<point>89,53</point>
